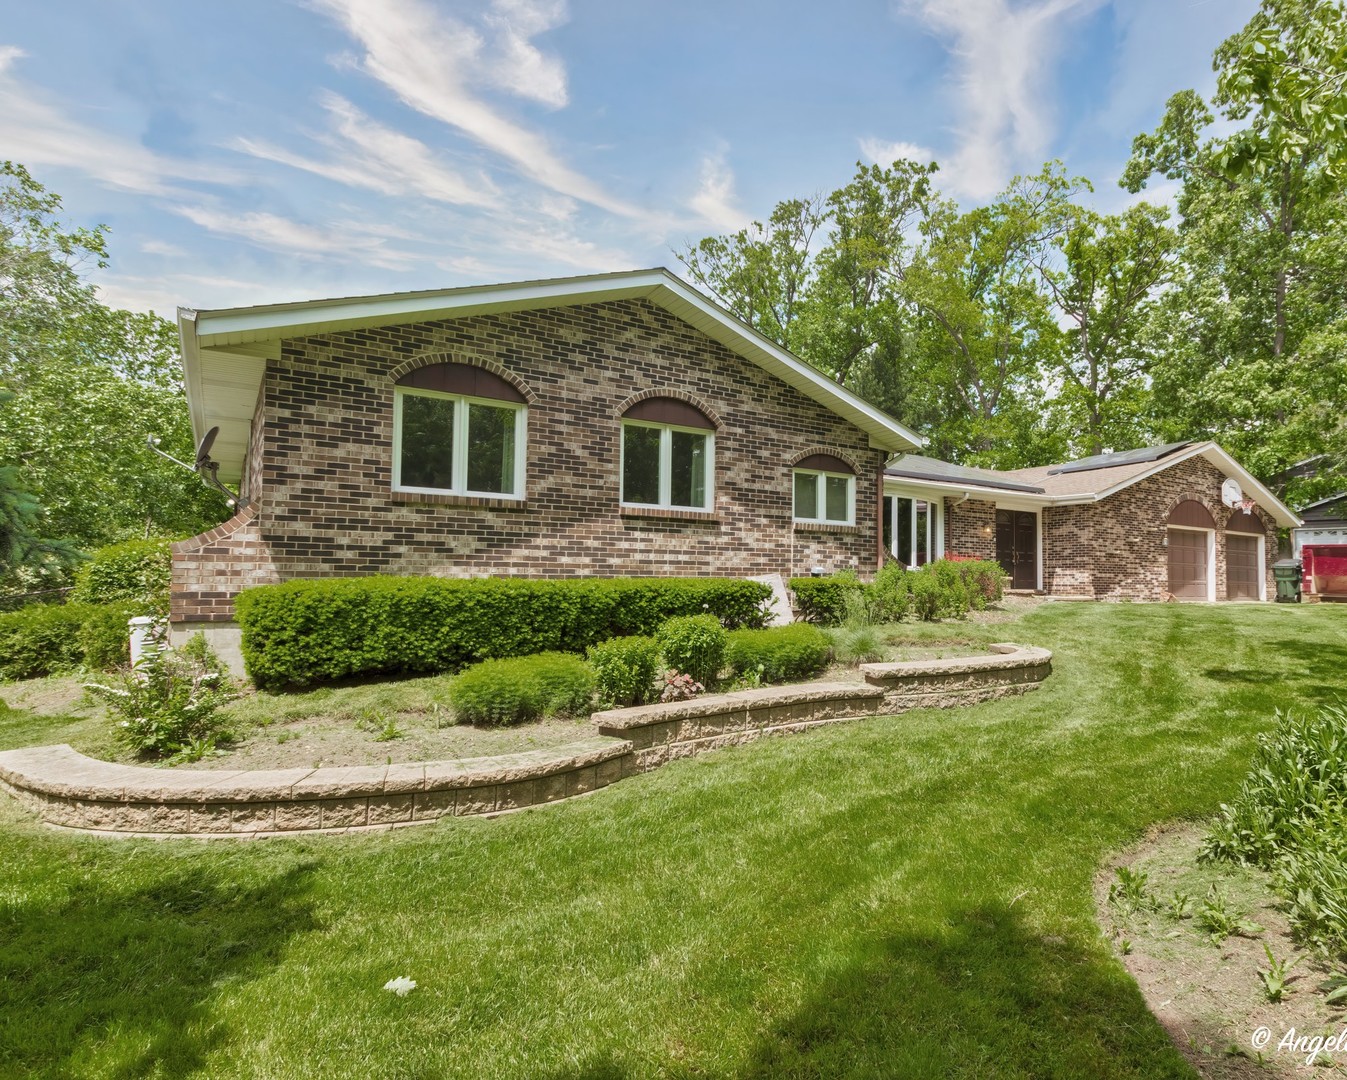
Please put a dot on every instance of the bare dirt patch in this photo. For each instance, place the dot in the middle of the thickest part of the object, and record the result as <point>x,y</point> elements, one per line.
<point>1208,994</point>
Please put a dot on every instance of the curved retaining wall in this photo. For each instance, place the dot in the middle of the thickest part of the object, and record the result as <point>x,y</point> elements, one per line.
<point>71,791</point>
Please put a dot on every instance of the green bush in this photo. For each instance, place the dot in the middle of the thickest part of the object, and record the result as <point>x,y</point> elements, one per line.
<point>822,600</point>
<point>694,645</point>
<point>780,653</point>
<point>983,578</point>
<point>626,669</point>
<point>307,631</point>
<point>522,689</point>
<point>169,706</point>
<point>42,639</point>
<point>137,570</point>
<point>105,633</point>
<point>889,598</point>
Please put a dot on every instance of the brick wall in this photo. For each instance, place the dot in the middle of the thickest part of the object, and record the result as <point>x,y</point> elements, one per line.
<point>320,464</point>
<point>970,527</point>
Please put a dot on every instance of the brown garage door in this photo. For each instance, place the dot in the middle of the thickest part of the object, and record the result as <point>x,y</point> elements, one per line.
<point>1188,564</point>
<point>1241,567</point>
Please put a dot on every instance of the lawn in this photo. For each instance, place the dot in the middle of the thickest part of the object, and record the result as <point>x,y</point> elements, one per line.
<point>906,896</point>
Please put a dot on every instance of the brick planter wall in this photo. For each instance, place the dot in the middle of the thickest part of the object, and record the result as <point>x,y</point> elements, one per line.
<point>320,463</point>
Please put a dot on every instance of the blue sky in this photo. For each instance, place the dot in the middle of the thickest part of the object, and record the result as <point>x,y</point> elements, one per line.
<point>265,150</point>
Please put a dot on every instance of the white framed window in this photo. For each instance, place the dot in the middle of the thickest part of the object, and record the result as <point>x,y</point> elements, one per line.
<point>825,497</point>
<point>667,466</point>
<point>456,444</point>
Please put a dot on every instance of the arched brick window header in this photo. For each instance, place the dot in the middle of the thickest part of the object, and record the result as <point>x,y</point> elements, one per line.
<point>465,379</point>
<point>1192,513</point>
<point>667,410</point>
<point>1240,522</point>
<point>825,463</point>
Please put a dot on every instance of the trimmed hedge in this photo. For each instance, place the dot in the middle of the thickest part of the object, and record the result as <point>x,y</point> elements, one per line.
<point>105,634</point>
<point>42,639</point>
<point>136,570</point>
<point>626,669</point>
<point>823,600</point>
<point>522,689</point>
<point>781,653</point>
<point>308,631</point>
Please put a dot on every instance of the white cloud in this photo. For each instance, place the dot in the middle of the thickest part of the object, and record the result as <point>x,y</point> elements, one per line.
<point>433,63</point>
<point>884,153</point>
<point>162,248</point>
<point>714,201</point>
<point>369,155</point>
<point>348,240</point>
<point>1002,55</point>
<point>39,134</point>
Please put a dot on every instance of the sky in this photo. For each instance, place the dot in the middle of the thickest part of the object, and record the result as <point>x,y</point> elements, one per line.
<point>261,151</point>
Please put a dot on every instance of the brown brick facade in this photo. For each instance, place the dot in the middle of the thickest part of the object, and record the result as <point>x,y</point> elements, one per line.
<point>319,473</point>
<point>1114,549</point>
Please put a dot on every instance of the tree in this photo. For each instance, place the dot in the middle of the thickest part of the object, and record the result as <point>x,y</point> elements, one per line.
<point>90,383</point>
<point>1104,276</point>
<point>27,560</point>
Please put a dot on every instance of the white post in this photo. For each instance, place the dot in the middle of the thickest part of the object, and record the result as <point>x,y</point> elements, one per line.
<point>142,634</point>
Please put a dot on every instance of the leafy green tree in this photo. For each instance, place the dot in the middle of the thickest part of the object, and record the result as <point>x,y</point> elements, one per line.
<point>90,383</point>
<point>27,559</point>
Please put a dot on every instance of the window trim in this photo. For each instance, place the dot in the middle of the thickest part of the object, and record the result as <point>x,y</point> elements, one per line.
<point>821,498</point>
<point>666,466</point>
<point>460,444</point>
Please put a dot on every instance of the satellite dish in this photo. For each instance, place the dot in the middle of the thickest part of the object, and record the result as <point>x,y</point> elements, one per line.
<point>203,451</point>
<point>1231,493</point>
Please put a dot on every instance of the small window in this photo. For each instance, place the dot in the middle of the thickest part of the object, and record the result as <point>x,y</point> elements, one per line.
<point>825,497</point>
<point>666,466</point>
<point>458,445</point>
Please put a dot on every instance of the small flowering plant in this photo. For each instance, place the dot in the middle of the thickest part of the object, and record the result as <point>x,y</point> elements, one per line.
<point>675,686</point>
<point>166,706</point>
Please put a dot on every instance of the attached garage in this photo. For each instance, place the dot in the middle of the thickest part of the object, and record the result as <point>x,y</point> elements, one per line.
<point>1244,540</point>
<point>1191,534</point>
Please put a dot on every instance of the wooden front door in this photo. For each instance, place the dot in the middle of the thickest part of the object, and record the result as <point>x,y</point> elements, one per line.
<point>1242,572</point>
<point>1188,564</point>
<point>1017,546</point>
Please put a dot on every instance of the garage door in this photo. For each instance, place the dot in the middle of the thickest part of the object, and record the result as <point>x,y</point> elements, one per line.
<point>1188,564</point>
<point>1241,567</point>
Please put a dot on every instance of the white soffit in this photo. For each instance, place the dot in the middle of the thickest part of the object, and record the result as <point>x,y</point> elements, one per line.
<point>225,351</point>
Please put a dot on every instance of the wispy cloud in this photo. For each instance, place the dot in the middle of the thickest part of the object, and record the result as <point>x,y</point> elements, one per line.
<point>1002,54</point>
<point>437,65</point>
<point>39,133</point>
<point>885,153</point>
<point>346,240</point>
<point>367,154</point>
<point>714,201</point>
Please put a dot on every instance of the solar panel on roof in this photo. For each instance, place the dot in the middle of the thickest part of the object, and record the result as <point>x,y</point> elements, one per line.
<point>1126,457</point>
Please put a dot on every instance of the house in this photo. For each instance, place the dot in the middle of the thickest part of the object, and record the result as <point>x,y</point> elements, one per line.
<point>1324,522</point>
<point>1184,520</point>
<point>616,424</point>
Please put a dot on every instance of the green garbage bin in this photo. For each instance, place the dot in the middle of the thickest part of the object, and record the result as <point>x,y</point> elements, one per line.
<point>1286,573</point>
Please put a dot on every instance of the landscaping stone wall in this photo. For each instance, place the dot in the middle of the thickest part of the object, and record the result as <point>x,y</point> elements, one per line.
<point>320,476</point>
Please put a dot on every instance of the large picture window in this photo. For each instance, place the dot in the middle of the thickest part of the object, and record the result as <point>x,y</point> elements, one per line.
<point>456,443</point>
<point>666,466</point>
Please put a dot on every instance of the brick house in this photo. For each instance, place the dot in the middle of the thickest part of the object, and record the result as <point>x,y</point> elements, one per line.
<point>1184,520</point>
<point>618,424</point>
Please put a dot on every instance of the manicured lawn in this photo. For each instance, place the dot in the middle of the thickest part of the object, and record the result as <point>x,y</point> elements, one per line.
<point>898,897</point>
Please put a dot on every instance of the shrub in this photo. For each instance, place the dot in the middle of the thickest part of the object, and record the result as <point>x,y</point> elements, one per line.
<point>890,599</point>
<point>522,689</point>
<point>822,600</point>
<point>168,706</point>
<point>105,633</point>
<point>136,570</point>
<point>677,686</point>
<point>42,639</point>
<point>983,578</point>
<point>626,668</point>
<point>780,653</point>
<point>305,631</point>
<point>694,645</point>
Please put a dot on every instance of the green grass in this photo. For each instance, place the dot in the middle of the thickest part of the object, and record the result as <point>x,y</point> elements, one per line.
<point>908,896</point>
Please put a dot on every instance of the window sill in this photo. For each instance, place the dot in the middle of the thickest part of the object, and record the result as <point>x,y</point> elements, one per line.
<point>825,527</point>
<point>481,502</point>
<point>705,516</point>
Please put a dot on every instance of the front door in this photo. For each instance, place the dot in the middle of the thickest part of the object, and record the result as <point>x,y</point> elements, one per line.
<point>1017,546</point>
<point>1188,564</point>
